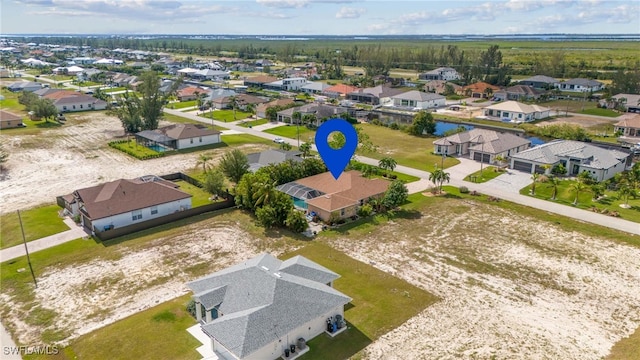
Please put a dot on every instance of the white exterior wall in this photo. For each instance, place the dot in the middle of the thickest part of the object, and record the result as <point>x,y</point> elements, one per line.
<point>293,84</point>
<point>85,106</point>
<point>431,103</point>
<point>604,174</point>
<point>125,219</point>
<point>578,88</point>
<point>450,75</point>
<point>307,331</point>
<point>206,140</point>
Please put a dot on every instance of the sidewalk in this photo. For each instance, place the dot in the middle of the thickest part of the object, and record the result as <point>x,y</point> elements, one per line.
<point>75,232</point>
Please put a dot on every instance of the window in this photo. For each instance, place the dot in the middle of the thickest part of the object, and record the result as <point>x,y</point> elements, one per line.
<point>74,106</point>
<point>200,139</point>
<point>342,212</point>
<point>136,215</point>
<point>154,210</point>
<point>191,140</point>
<point>80,106</point>
<point>64,108</point>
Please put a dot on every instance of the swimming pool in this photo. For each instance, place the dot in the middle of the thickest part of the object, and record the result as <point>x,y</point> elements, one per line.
<point>158,148</point>
<point>299,203</point>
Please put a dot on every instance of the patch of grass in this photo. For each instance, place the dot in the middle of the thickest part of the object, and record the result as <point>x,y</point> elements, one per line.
<point>407,150</point>
<point>183,104</point>
<point>134,149</point>
<point>156,333</point>
<point>242,139</point>
<point>112,90</point>
<point>10,103</point>
<point>291,131</point>
<point>627,348</point>
<point>566,196</point>
<point>226,115</point>
<point>253,123</point>
<point>373,291</point>
<point>61,77</point>
<point>38,223</point>
<point>601,112</point>
<point>184,120</point>
<point>200,196</point>
<point>488,173</point>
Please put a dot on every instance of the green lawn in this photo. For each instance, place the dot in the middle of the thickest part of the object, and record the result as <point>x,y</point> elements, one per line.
<point>291,131</point>
<point>112,90</point>
<point>10,103</point>
<point>134,149</point>
<point>86,83</point>
<point>184,120</point>
<point>407,150</point>
<point>242,139</point>
<point>566,196</point>
<point>183,104</point>
<point>157,333</point>
<point>37,222</point>
<point>488,173</point>
<point>61,77</point>
<point>601,112</point>
<point>253,123</point>
<point>200,196</point>
<point>373,291</point>
<point>226,115</point>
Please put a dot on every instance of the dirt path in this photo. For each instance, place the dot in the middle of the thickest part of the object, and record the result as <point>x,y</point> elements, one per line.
<point>510,288</point>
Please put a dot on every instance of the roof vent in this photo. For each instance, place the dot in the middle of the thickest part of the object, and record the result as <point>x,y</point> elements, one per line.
<point>264,268</point>
<point>277,275</point>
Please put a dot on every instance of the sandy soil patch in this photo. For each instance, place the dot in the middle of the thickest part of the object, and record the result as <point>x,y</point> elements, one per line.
<point>59,161</point>
<point>511,288</point>
<point>90,295</point>
<point>584,121</point>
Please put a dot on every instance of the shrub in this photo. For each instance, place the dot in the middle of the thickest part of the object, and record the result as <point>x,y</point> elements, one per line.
<point>394,126</point>
<point>296,221</point>
<point>365,210</point>
<point>463,190</point>
<point>191,308</point>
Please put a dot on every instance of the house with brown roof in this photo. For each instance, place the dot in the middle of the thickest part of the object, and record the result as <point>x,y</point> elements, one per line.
<point>440,86</point>
<point>480,90</point>
<point>191,93</point>
<point>325,197</point>
<point>518,93</point>
<point>10,120</point>
<point>481,145</point>
<point>261,110</point>
<point>70,101</point>
<point>629,125</point>
<point>339,90</point>
<point>377,95</point>
<point>178,136</point>
<point>126,201</point>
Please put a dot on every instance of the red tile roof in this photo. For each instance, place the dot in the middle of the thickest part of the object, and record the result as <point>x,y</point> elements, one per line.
<point>341,89</point>
<point>348,190</point>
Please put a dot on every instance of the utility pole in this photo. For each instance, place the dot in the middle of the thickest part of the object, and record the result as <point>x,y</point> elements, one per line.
<point>27,250</point>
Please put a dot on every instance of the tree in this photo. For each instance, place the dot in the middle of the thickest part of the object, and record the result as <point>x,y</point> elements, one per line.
<point>128,112</point>
<point>387,163</point>
<point>623,193</point>
<point>285,146</point>
<point>214,181</point>
<point>558,170</point>
<point>203,160</point>
<point>305,149</point>
<point>245,191</point>
<point>251,109</point>
<point>577,187</point>
<point>296,221</point>
<point>438,177</point>
<point>553,182</point>
<point>233,101</point>
<point>265,191</point>
<point>535,176</point>
<point>272,113</point>
<point>150,105</point>
<point>44,109</point>
<point>234,164</point>
<point>267,216</point>
<point>99,94</point>
<point>27,98</point>
<point>4,156</point>
<point>423,122</point>
<point>396,195</point>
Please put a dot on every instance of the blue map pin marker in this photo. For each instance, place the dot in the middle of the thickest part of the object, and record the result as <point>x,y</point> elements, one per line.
<point>336,159</point>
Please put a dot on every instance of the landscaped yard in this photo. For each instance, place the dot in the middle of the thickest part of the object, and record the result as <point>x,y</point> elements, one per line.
<point>253,123</point>
<point>242,139</point>
<point>182,104</point>
<point>114,89</point>
<point>291,131</point>
<point>226,115</point>
<point>601,112</point>
<point>10,103</point>
<point>407,150</point>
<point>184,120</point>
<point>200,196</point>
<point>37,222</point>
<point>488,173</point>
<point>566,196</point>
<point>134,149</point>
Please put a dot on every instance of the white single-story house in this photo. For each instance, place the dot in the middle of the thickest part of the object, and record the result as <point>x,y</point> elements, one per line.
<point>179,136</point>
<point>628,125</point>
<point>418,100</point>
<point>481,144</point>
<point>314,87</point>
<point>540,82</point>
<point>631,102</point>
<point>441,73</point>
<point>575,156</point>
<point>124,202</point>
<point>580,85</point>
<point>516,111</point>
<point>263,307</point>
<point>68,70</point>
<point>24,86</point>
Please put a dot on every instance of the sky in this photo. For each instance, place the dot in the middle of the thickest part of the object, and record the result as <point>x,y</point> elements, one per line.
<point>319,17</point>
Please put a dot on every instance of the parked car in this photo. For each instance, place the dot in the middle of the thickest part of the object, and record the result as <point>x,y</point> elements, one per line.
<point>278,140</point>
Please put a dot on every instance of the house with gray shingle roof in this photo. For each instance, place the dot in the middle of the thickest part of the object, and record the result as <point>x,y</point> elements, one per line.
<point>481,144</point>
<point>580,85</point>
<point>419,100</point>
<point>260,307</point>
<point>271,156</point>
<point>539,82</point>
<point>575,156</point>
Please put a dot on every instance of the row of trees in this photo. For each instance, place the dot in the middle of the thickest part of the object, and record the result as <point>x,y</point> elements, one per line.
<point>40,107</point>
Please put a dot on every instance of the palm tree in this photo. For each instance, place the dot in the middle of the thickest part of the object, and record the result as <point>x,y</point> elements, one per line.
<point>534,177</point>
<point>203,159</point>
<point>305,149</point>
<point>233,101</point>
<point>265,192</point>
<point>438,177</point>
<point>251,108</point>
<point>623,193</point>
<point>296,116</point>
<point>554,182</point>
<point>578,187</point>
<point>387,163</point>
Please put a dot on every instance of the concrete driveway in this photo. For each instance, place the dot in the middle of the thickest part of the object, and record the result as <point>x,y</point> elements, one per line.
<point>511,181</point>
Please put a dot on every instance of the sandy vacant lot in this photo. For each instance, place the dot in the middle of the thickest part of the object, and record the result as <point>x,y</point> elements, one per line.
<point>59,161</point>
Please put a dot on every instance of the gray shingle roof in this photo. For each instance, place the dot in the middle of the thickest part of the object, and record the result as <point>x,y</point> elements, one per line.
<point>582,82</point>
<point>418,96</point>
<point>272,156</point>
<point>541,78</point>
<point>262,302</point>
<point>590,155</point>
